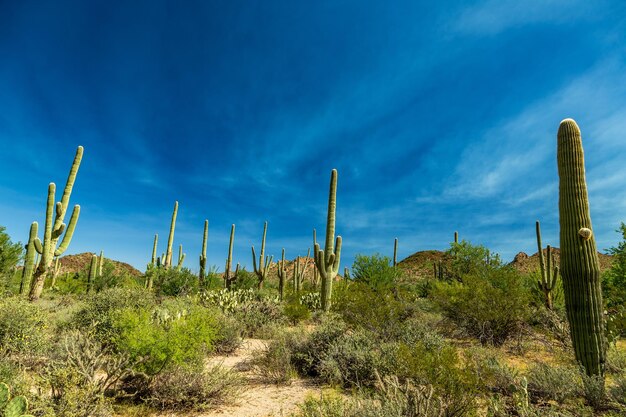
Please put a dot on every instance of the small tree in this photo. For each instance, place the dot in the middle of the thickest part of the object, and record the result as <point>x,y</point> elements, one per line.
<point>10,255</point>
<point>614,280</point>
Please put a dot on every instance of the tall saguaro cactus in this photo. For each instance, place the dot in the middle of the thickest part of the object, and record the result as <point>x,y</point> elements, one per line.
<point>580,268</point>
<point>327,260</point>
<point>316,272</point>
<point>282,274</point>
<point>170,240</point>
<point>549,275</point>
<point>229,277</point>
<point>29,259</point>
<point>93,271</point>
<point>153,260</point>
<point>55,227</point>
<point>300,272</point>
<point>264,261</point>
<point>395,252</point>
<point>205,236</point>
<point>181,258</point>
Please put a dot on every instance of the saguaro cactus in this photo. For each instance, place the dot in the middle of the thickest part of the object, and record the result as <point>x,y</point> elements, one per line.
<point>456,237</point>
<point>54,228</point>
<point>153,260</point>
<point>327,260</point>
<point>93,270</point>
<point>395,252</point>
<point>229,277</point>
<point>299,272</point>
<point>181,258</point>
<point>548,279</point>
<point>205,236</point>
<point>316,272</point>
<point>580,269</point>
<point>29,259</point>
<point>100,263</point>
<point>264,261</point>
<point>170,240</point>
<point>282,274</point>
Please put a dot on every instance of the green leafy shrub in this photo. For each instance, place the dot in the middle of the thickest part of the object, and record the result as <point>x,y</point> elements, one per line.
<point>296,312</point>
<point>100,310</point>
<point>183,389</point>
<point>111,279</point>
<point>23,327</point>
<point>614,280</point>
<point>491,306</point>
<point>167,335</point>
<point>228,336</point>
<point>10,255</point>
<point>375,271</point>
<point>557,382</point>
<point>173,282</point>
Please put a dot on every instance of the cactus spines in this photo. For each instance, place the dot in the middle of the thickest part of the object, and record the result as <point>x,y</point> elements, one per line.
<point>228,278</point>
<point>181,258</point>
<point>205,235</point>
<point>580,269</point>
<point>12,407</point>
<point>395,252</point>
<point>548,279</point>
<point>55,228</point>
<point>327,260</point>
<point>264,261</point>
<point>29,259</point>
<point>282,274</point>
<point>170,240</point>
<point>153,260</point>
<point>93,270</point>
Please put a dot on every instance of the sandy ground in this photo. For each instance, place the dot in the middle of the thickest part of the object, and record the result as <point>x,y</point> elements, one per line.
<point>258,399</point>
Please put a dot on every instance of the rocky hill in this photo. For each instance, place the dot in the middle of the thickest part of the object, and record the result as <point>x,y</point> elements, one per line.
<point>525,263</point>
<point>81,262</point>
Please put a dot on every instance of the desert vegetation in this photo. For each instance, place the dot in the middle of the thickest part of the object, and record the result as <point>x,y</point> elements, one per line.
<point>449,333</point>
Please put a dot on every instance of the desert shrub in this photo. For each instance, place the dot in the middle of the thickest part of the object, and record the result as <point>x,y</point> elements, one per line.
<point>379,311</point>
<point>374,271</point>
<point>491,306</point>
<point>228,334</point>
<point>257,317</point>
<point>618,390</point>
<point>170,335</point>
<point>173,282</point>
<point>492,374</point>
<point>97,315</point>
<point>557,382</point>
<point>296,312</point>
<point>594,390</point>
<point>10,255</point>
<point>351,360</point>
<point>23,327</point>
<point>308,352</point>
<point>615,323</point>
<point>275,363</point>
<point>615,360</point>
<point>614,280</point>
<point>246,280</point>
<point>183,389</point>
<point>228,301</point>
<point>111,279</point>
<point>439,367</point>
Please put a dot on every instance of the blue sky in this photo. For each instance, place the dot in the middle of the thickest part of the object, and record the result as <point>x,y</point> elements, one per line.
<point>437,117</point>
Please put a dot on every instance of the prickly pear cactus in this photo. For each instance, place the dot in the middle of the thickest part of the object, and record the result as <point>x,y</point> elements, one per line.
<point>580,269</point>
<point>12,407</point>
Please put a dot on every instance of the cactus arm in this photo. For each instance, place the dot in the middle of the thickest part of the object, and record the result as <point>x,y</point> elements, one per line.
<point>29,259</point>
<point>56,233</point>
<point>170,239</point>
<point>254,268</point>
<point>92,272</point>
<point>330,217</point>
<point>69,233</point>
<point>395,252</point>
<point>337,254</point>
<point>47,236</point>
<point>37,245</point>
<point>69,184</point>
<point>579,257</point>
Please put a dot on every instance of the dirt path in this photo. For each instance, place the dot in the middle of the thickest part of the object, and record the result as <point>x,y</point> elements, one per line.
<point>258,399</point>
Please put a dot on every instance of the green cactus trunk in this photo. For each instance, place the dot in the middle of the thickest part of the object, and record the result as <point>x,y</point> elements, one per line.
<point>29,259</point>
<point>100,263</point>
<point>167,262</point>
<point>264,261</point>
<point>549,276</point>
<point>54,228</point>
<point>205,235</point>
<point>181,258</point>
<point>282,273</point>
<point>327,260</point>
<point>579,258</point>
<point>153,260</point>
<point>395,252</point>
<point>228,278</point>
<point>93,271</point>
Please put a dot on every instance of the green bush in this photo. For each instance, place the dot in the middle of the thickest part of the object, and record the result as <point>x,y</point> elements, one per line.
<point>228,336</point>
<point>10,255</point>
<point>98,314</point>
<point>23,327</point>
<point>492,374</point>
<point>375,271</point>
<point>491,306</point>
<point>169,335</point>
<point>296,312</point>
<point>172,282</point>
<point>557,382</point>
<point>183,389</point>
<point>111,279</point>
<point>614,280</point>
